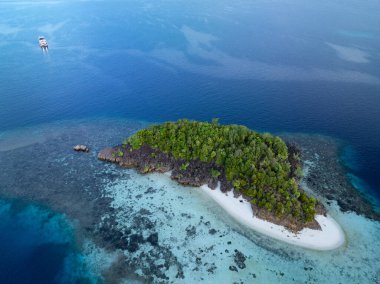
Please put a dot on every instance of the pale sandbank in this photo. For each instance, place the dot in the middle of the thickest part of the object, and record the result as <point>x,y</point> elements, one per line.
<point>330,237</point>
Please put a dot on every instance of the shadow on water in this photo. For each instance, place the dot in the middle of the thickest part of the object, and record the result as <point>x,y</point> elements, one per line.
<point>350,161</point>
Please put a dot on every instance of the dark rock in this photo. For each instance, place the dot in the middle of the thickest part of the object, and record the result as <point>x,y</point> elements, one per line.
<point>239,259</point>
<point>180,275</point>
<point>153,239</point>
<point>212,231</point>
<point>134,241</point>
<point>212,183</point>
<point>198,261</point>
<point>212,268</point>
<point>132,247</point>
<point>144,211</point>
<point>107,155</point>
<point>81,148</point>
<point>191,231</point>
<point>233,268</point>
<point>236,193</point>
<point>136,238</point>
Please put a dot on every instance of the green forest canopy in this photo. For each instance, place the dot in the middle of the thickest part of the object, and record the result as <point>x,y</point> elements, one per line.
<point>256,164</point>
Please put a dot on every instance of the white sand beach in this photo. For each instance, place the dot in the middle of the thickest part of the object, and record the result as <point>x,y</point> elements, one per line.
<point>330,237</point>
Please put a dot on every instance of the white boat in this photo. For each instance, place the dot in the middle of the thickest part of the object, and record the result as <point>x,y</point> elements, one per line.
<point>42,42</point>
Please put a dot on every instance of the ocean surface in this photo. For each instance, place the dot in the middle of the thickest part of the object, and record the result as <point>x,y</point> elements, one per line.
<point>115,66</point>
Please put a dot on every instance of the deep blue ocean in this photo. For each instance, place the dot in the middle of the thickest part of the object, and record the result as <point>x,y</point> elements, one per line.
<point>277,66</point>
<point>36,245</point>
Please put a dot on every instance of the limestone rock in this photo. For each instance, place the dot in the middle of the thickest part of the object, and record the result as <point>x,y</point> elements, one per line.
<point>81,148</point>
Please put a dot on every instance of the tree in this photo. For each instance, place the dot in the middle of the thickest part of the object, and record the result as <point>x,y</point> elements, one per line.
<point>261,166</point>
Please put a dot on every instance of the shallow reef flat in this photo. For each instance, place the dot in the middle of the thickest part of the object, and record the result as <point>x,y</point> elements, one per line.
<point>207,241</point>
<point>327,178</point>
<point>146,228</point>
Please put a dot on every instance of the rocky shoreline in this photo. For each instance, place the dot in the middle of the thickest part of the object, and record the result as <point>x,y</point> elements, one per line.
<point>327,177</point>
<point>195,173</point>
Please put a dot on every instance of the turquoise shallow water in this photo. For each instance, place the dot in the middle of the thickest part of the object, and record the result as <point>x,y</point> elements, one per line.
<point>266,261</point>
<point>196,239</point>
<point>279,66</point>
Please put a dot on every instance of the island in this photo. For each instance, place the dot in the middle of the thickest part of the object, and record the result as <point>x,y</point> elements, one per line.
<point>255,177</point>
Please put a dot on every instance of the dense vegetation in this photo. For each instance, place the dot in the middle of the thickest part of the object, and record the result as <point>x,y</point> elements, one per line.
<point>257,165</point>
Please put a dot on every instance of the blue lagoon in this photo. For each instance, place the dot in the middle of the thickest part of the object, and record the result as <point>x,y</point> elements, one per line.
<point>308,72</point>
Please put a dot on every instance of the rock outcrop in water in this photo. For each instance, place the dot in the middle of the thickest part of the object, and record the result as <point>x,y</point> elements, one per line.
<point>81,148</point>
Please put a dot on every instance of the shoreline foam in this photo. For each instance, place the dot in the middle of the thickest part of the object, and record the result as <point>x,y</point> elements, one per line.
<point>330,237</point>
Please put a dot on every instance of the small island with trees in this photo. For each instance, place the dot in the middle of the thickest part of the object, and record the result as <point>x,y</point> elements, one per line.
<point>261,168</point>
